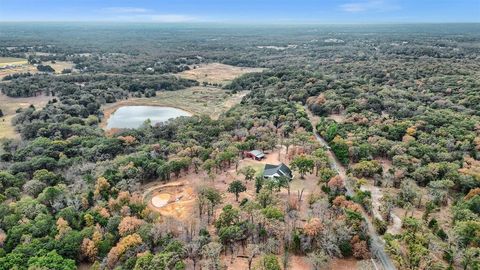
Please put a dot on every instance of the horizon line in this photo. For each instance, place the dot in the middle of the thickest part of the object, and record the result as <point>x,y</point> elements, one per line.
<point>242,22</point>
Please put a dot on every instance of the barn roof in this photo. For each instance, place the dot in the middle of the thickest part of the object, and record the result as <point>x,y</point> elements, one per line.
<point>257,153</point>
<point>280,169</point>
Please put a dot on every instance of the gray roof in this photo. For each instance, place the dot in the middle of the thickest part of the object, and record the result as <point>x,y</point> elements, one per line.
<point>280,169</point>
<point>257,153</point>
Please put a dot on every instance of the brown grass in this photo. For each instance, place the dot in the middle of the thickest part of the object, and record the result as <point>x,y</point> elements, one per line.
<point>59,66</point>
<point>24,67</point>
<point>12,61</point>
<point>9,105</point>
<point>216,73</point>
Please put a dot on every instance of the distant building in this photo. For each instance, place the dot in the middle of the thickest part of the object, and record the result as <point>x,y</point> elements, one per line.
<point>255,154</point>
<point>274,171</point>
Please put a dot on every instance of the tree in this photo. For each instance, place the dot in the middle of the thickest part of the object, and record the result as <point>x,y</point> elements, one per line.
<point>196,162</point>
<point>336,184</point>
<point>122,246</point>
<point>320,159</point>
<point>33,187</point>
<point>318,259</point>
<point>248,172</point>
<point>326,174</point>
<point>258,183</point>
<point>367,168</point>
<point>265,197</point>
<point>471,259</point>
<point>229,235</point>
<point>89,249</point>
<point>208,165</point>
<point>129,225</point>
<point>45,68</point>
<point>193,251</point>
<point>251,252</point>
<point>229,216</point>
<point>211,254</point>
<point>51,260</point>
<point>283,182</point>
<point>303,165</point>
<point>208,197</point>
<point>268,262</point>
<point>439,190</point>
<point>340,148</point>
<point>69,245</point>
<point>236,187</point>
<point>408,192</point>
<point>468,232</point>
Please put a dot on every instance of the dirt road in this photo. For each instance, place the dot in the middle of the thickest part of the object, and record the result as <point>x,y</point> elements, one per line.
<point>376,244</point>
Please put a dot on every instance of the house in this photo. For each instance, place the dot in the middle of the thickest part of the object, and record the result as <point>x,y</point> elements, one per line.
<point>273,171</point>
<point>255,154</point>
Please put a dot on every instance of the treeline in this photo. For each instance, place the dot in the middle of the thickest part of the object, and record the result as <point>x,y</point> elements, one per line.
<point>71,84</point>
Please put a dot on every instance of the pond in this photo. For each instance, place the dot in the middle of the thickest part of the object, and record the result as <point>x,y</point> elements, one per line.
<point>135,116</point>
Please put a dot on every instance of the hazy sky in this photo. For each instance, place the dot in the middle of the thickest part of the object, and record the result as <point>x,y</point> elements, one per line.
<point>247,11</point>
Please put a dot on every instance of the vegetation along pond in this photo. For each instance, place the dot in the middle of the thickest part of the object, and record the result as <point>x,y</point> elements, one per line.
<point>135,116</point>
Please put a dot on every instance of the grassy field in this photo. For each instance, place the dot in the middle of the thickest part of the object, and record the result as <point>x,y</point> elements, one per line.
<point>216,73</point>
<point>9,105</point>
<point>4,61</point>
<point>60,65</point>
<point>25,67</point>
<point>196,100</point>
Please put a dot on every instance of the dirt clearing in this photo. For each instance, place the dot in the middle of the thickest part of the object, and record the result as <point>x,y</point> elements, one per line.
<point>175,199</point>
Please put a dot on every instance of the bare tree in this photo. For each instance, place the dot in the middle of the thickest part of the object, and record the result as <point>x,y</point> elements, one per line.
<point>211,254</point>
<point>193,251</point>
<point>251,252</point>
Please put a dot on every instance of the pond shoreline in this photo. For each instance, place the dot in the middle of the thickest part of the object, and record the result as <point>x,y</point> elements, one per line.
<point>133,116</point>
<point>110,108</point>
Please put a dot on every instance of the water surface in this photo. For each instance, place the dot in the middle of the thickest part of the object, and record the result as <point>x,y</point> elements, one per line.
<point>135,116</point>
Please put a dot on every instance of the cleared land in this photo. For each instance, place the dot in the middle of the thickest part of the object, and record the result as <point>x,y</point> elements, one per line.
<point>59,66</point>
<point>24,67</point>
<point>175,199</point>
<point>9,105</point>
<point>5,61</point>
<point>196,100</point>
<point>216,73</point>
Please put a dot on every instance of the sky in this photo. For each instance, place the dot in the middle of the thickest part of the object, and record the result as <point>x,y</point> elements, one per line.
<point>243,11</point>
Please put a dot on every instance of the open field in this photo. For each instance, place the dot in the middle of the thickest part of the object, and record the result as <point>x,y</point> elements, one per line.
<point>25,67</point>
<point>60,65</point>
<point>196,100</point>
<point>9,105</point>
<point>5,61</point>
<point>216,73</point>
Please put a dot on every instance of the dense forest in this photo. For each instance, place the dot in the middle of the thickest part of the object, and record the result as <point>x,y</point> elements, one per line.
<point>399,105</point>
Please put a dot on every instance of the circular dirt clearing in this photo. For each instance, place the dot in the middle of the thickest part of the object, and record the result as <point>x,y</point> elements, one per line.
<point>175,199</point>
<point>160,200</point>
